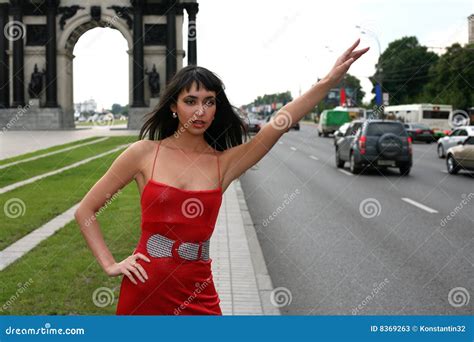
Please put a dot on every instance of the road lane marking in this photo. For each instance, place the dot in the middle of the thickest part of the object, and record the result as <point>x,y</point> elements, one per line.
<point>345,172</point>
<point>293,148</point>
<point>419,205</point>
<point>313,157</point>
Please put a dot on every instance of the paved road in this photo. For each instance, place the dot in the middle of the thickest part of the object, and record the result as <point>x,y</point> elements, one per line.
<point>372,244</point>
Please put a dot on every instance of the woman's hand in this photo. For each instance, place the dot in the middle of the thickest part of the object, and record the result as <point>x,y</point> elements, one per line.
<point>129,267</point>
<point>343,63</point>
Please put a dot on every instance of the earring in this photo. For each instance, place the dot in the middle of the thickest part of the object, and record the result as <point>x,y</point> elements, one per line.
<point>174,115</point>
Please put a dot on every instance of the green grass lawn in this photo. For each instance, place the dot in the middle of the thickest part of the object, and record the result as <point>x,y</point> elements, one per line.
<point>22,171</point>
<point>45,199</point>
<point>46,150</point>
<point>61,274</point>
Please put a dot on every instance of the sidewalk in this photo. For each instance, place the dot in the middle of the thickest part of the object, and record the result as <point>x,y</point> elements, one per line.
<point>239,270</point>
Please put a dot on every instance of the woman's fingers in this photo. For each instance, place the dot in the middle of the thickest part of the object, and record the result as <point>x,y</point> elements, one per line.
<point>358,53</point>
<point>348,52</point>
<point>136,272</point>
<point>129,275</point>
<point>142,270</point>
<point>143,257</point>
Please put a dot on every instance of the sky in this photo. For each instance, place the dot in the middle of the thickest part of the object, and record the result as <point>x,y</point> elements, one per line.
<point>261,47</point>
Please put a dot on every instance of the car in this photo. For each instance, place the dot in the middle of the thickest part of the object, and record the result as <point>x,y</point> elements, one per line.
<point>420,132</point>
<point>295,125</point>
<point>341,131</point>
<point>254,123</point>
<point>459,134</point>
<point>243,118</point>
<point>461,156</point>
<point>353,125</point>
<point>331,120</point>
<point>379,143</point>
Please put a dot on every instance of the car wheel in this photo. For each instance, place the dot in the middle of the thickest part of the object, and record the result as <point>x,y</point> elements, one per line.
<point>404,170</point>
<point>325,134</point>
<point>355,168</point>
<point>452,165</point>
<point>319,133</point>
<point>441,151</point>
<point>339,162</point>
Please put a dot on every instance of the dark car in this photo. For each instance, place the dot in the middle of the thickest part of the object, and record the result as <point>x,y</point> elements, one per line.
<point>378,143</point>
<point>295,125</point>
<point>420,132</point>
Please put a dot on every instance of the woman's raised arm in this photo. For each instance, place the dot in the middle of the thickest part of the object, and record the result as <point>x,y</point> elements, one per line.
<point>238,159</point>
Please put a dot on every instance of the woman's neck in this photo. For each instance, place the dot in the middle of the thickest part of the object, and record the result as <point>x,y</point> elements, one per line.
<point>188,142</point>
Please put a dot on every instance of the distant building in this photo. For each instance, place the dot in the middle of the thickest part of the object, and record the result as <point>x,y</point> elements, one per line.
<point>86,106</point>
<point>471,28</point>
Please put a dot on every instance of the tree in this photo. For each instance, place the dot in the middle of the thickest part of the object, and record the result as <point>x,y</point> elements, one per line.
<point>354,89</point>
<point>451,79</point>
<point>403,69</point>
<point>116,108</point>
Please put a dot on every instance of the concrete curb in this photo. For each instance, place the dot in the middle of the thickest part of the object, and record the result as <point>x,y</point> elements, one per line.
<point>264,282</point>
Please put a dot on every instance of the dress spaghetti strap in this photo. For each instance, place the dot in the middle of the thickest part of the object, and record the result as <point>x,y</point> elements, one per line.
<point>218,170</point>
<point>154,161</point>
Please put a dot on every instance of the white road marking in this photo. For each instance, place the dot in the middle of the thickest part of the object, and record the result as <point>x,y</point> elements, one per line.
<point>51,153</point>
<point>293,148</point>
<point>345,172</point>
<point>313,157</point>
<point>51,173</point>
<point>419,205</point>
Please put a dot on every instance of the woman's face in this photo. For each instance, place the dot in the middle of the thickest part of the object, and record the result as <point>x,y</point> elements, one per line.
<point>195,105</point>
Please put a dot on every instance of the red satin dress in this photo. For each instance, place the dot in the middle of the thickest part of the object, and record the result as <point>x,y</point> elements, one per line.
<point>175,286</point>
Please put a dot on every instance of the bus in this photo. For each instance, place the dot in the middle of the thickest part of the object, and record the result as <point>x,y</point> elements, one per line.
<point>436,116</point>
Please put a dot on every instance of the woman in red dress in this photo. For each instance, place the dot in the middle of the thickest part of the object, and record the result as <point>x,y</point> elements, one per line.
<point>193,152</point>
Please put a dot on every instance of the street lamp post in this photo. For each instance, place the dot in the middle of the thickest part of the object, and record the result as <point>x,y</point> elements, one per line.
<point>379,69</point>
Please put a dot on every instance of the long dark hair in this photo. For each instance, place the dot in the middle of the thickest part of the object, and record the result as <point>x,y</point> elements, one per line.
<point>226,129</point>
